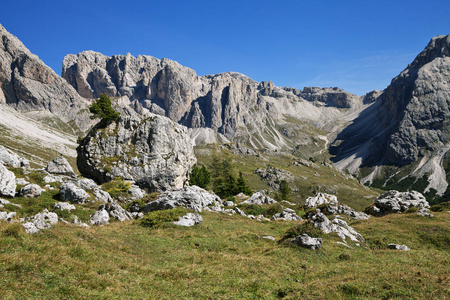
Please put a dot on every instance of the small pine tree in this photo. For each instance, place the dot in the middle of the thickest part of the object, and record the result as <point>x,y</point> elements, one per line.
<point>200,176</point>
<point>102,108</point>
<point>242,185</point>
<point>284,190</point>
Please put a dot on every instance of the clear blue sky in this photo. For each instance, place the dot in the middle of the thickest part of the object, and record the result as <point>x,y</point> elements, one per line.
<point>356,45</point>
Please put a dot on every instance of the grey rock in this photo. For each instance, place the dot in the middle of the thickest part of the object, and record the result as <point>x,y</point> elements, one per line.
<point>137,215</point>
<point>155,152</point>
<point>268,237</point>
<point>116,211</point>
<point>338,226</point>
<point>4,202</point>
<point>397,202</point>
<point>306,241</point>
<point>86,184</point>
<point>190,197</point>
<point>260,198</point>
<point>287,215</point>
<point>190,219</point>
<point>102,196</point>
<point>100,217</point>
<point>229,204</point>
<point>27,84</point>
<point>77,222</point>
<point>63,206</point>
<point>21,181</point>
<point>330,96</point>
<point>321,198</point>
<point>7,180</point>
<point>273,176</point>
<point>239,211</point>
<point>12,159</point>
<point>398,247</point>
<point>61,166</point>
<point>42,220</point>
<point>7,216</point>
<point>346,210</point>
<point>31,190</point>
<point>30,228</point>
<point>425,212</point>
<point>52,178</point>
<point>69,192</point>
<point>136,192</point>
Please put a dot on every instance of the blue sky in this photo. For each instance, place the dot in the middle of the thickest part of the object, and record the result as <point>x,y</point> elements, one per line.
<point>355,45</point>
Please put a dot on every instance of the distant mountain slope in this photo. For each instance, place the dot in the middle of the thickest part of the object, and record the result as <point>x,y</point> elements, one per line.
<point>408,125</point>
<point>27,84</point>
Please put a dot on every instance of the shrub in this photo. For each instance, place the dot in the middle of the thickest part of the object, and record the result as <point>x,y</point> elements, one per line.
<point>303,228</point>
<point>200,176</point>
<point>117,187</point>
<point>440,207</point>
<point>158,218</point>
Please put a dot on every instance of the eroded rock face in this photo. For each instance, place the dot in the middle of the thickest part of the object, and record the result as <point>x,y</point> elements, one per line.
<point>229,103</point>
<point>27,84</point>
<point>155,152</point>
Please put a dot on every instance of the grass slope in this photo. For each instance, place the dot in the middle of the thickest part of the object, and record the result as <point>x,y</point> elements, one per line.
<point>225,258</point>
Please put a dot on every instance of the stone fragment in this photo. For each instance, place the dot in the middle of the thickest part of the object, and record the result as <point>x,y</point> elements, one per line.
<point>398,247</point>
<point>189,219</point>
<point>306,241</point>
<point>61,166</point>
<point>31,191</point>
<point>64,206</point>
<point>69,192</point>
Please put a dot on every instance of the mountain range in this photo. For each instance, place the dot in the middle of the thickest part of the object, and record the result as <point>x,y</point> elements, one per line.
<point>398,137</point>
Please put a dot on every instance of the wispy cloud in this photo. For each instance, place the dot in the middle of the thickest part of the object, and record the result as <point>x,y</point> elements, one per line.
<point>359,75</point>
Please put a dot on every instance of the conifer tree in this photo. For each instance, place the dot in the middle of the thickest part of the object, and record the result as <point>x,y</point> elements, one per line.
<point>102,108</point>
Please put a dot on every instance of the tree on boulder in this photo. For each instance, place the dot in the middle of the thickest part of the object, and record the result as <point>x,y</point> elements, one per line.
<point>102,108</point>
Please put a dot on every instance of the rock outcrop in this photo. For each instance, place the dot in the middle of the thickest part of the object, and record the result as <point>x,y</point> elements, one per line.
<point>190,197</point>
<point>27,84</point>
<point>260,198</point>
<point>155,152</point>
<point>397,202</point>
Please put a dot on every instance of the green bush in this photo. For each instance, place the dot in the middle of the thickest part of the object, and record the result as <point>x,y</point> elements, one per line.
<point>440,207</point>
<point>200,176</point>
<point>117,187</point>
<point>158,218</point>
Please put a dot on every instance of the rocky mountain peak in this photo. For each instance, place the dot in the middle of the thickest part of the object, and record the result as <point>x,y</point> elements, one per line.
<point>27,84</point>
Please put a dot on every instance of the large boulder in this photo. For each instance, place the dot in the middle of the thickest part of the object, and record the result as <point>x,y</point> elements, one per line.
<point>110,210</point>
<point>190,197</point>
<point>7,182</point>
<point>155,152</point>
<point>397,202</point>
<point>61,166</point>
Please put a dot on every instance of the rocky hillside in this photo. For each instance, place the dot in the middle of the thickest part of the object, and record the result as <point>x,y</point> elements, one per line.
<point>406,127</point>
<point>259,115</point>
